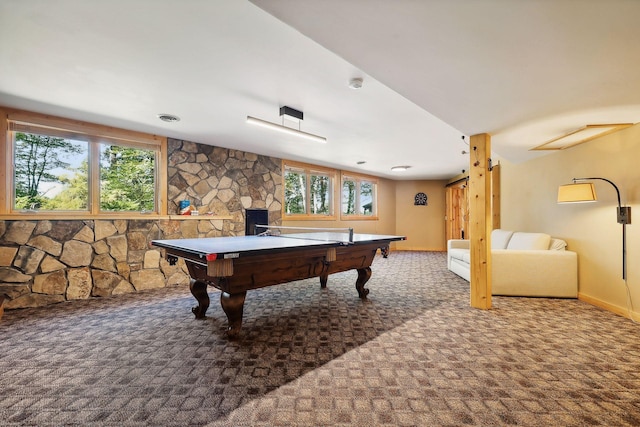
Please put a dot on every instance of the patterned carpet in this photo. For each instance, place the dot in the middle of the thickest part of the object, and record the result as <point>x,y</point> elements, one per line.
<point>413,354</point>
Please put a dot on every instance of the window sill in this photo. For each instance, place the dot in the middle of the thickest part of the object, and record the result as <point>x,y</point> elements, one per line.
<point>309,218</point>
<point>358,218</point>
<point>196,217</point>
<point>28,216</point>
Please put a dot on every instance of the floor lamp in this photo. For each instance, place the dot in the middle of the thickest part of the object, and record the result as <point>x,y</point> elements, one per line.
<point>585,192</point>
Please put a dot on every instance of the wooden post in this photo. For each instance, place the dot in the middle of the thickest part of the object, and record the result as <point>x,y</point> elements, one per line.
<point>480,220</point>
<point>495,196</point>
<point>5,178</point>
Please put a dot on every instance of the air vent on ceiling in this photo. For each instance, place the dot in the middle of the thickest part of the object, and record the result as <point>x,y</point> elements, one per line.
<point>168,118</point>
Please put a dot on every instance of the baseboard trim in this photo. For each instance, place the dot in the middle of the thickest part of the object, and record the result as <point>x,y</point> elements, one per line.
<point>420,249</point>
<point>620,311</point>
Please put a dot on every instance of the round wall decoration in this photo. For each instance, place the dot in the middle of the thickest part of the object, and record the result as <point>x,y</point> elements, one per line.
<point>420,199</point>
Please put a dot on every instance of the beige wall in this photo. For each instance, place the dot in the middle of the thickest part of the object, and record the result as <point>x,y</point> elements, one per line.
<point>529,192</point>
<point>424,226</point>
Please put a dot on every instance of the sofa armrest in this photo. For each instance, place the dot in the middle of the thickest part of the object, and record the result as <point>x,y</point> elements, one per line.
<point>458,244</point>
<point>534,273</point>
<point>455,244</point>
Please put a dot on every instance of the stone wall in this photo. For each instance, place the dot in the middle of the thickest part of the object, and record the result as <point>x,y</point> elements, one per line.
<point>224,182</point>
<point>49,261</point>
<point>45,262</point>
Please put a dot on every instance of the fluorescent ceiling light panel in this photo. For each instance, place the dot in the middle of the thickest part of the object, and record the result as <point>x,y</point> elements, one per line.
<point>285,129</point>
<point>581,135</point>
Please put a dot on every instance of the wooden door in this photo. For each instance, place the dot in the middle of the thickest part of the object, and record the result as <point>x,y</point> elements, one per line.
<point>457,211</point>
<point>457,206</point>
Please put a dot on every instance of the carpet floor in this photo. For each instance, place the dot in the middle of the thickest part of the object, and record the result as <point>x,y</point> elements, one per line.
<point>413,354</point>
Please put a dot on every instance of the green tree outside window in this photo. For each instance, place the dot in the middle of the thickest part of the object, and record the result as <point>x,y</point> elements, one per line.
<point>358,197</point>
<point>295,185</point>
<point>307,192</point>
<point>127,179</point>
<point>40,160</point>
<point>51,173</point>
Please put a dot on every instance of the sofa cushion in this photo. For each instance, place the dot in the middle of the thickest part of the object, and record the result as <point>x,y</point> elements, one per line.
<point>460,254</point>
<point>500,238</point>
<point>529,241</point>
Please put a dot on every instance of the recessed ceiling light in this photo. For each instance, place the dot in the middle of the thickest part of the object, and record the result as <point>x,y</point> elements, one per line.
<point>400,168</point>
<point>168,118</point>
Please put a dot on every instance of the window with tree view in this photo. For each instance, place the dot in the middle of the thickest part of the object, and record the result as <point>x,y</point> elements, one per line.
<point>358,197</point>
<point>52,172</point>
<point>127,179</point>
<point>307,191</point>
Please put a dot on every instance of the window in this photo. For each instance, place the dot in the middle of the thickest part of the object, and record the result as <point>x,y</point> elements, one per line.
<point>127,179</point>
<point>49,172</point>
<point>295,191</point>
<point>308,191</point>
<point>359,197</point>
<point>71,168</point>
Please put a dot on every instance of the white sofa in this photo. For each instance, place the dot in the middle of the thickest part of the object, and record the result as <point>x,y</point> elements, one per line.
<point>523,264</point>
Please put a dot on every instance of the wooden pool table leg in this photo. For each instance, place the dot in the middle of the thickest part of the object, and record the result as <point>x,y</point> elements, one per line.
<point>384,251</point>
<point>233,306</point>
<point>363,277</point>
<point>323,280</point>
<point>199,291</point>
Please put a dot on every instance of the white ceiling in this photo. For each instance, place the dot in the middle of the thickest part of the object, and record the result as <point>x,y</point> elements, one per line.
<point>434,70</point>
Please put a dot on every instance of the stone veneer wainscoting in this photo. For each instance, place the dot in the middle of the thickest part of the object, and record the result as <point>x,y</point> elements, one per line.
<point>49,261</point>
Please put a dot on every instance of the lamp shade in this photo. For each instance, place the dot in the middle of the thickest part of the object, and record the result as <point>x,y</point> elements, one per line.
<point>577,193</point>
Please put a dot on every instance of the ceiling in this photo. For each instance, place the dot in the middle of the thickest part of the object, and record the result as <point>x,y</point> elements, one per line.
<point>433,70</point>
